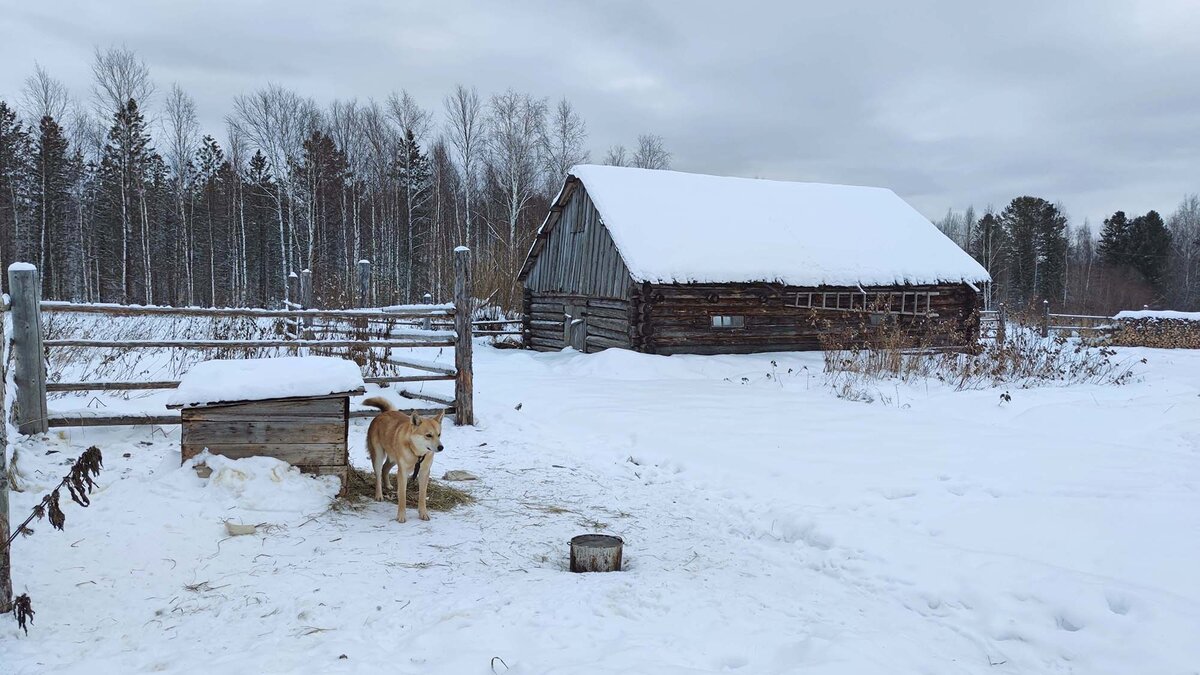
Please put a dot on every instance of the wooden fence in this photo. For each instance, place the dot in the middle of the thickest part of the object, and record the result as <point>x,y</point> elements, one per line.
<point>404,326</point>
<point>994,323</point>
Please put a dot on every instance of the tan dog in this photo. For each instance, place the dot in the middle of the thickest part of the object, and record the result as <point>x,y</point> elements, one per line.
<point>397,439</point>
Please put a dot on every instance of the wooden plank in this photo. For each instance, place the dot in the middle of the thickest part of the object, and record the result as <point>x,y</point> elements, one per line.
<point>110,386</point>
<point>251,410</point>
<point>407,378</point>
<point>620,325</point>
<point>246,344</point>
<point>372,412</point>
<point>424,396</point>
<point>418,365</point>
<point>30,371</point>
<point>318,430</point>
<point>87,420</point>
<point>463,297</point>
<point>6,595</point>
<point>606,343</point>
<point>382,314</point>
<point>310,453</point>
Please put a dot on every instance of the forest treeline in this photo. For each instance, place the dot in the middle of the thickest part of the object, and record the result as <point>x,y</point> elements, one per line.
<point>118,197</point>
<point>1034,254</point>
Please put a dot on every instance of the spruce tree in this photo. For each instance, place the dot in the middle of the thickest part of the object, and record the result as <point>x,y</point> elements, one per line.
<point>1149,246</point>
<point>1035,258</point>
<point>123,173</point>
<point>54,174</point>
<point>14,189</point>
<point>1114,239</point>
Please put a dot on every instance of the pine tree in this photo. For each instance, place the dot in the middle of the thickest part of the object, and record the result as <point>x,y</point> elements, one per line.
<point>1035,260</point>
<point>52,231</point>
<point>415,175</point>
<point>1114,239</point>
<point>1149,246</point>
<point>121,214</point>
<point>14,189</point>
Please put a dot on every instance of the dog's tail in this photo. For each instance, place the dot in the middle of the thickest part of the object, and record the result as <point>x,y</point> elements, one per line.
<point>379,402</point>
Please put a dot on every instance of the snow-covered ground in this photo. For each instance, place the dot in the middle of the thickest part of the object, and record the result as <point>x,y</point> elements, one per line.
<point>770,527</point>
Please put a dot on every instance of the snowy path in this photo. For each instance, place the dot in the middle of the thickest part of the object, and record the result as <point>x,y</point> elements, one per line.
<point>769,526</point>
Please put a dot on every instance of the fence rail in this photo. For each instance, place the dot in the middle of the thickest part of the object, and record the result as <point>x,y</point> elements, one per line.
<point>30,344</point>
<point>993,323</point>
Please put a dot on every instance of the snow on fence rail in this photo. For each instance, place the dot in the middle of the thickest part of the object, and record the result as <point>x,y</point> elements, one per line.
<point>30,344</point>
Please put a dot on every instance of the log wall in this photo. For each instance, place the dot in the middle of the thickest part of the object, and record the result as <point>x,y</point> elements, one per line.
<point>606,321</point>
<point>677,318</point>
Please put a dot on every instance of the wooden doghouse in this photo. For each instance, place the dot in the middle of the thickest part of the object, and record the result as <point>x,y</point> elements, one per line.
<point>291,408</point>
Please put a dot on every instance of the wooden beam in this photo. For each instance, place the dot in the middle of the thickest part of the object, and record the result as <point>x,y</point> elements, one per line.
<point>463,298</point>
<point>26,288</point>
<point>382,314</point>
<point>245,344</point>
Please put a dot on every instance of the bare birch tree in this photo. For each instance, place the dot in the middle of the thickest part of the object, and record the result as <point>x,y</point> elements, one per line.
<point>44,96</point>
<point>465,131</point>
<point>563,144</point>
<point>516,129</point>
<point>413,122</point>
<point>181,131</point>
<point>651,153</point>
<point>276,121</point>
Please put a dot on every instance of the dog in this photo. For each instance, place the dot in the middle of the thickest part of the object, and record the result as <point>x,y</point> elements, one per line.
<point>406,441</point>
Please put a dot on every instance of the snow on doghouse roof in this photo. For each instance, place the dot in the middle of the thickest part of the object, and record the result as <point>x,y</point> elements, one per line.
<point>228,381</point>
<point>674,227</point>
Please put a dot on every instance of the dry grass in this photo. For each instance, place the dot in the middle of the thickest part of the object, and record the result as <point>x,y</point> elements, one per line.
<point>856,363</point>
<point>361,492</point>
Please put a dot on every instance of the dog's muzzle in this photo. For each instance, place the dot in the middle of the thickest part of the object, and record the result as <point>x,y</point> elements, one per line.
<point>441,448</point>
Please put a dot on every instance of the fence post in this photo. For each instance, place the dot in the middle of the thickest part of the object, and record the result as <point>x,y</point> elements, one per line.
<point>5,560</point>
<point>30,376</point>
<point>463,401</point>
<point>364,283</point>
<point>306,301</point>
<point>1002,325</point>
<point>427,323</point>
<point>1045,318</point>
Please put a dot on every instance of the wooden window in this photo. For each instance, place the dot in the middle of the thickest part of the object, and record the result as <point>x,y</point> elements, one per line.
<point>719,321</point>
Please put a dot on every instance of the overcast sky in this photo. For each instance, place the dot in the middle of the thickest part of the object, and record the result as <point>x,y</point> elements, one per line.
<point>1092,103</point>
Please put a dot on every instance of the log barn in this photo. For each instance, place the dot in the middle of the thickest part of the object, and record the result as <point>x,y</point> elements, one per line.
<point>666,262</point>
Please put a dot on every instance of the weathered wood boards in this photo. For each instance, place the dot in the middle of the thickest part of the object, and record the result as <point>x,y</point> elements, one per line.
<point>309,433</point>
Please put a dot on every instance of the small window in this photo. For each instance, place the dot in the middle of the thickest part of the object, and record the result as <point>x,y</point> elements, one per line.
<point>729,322</point>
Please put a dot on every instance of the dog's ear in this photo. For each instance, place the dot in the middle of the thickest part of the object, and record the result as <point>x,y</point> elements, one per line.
<point>440,415</point>
<point>416,419</point>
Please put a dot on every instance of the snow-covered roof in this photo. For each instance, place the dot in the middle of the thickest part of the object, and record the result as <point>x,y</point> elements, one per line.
<point>227,381</point>
<point>673,227</point>
<point>1157,314</point>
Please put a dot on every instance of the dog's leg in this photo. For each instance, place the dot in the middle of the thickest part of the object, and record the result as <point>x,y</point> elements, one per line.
<point>401,495</point>
<point>423,486</point>
<point>388,465</point>
<point>378,464</point>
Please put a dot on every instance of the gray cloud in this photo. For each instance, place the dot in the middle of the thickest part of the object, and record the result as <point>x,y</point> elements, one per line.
<point>1091,103</point>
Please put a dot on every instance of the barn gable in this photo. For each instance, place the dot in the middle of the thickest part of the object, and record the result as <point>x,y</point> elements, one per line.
<point>574,253</point>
